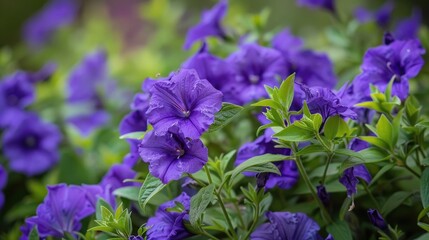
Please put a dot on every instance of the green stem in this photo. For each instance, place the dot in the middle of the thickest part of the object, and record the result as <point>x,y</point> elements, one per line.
<point>255,221</point>
<point>237,208</point>
<point>370,195</point>
<point>206,169</point>
<point>330,156</point>
<point>196,180</point>
<point>303,173</point>
<point>327,148</point>
<point>412,171</point>
<point>205,233</point>
<point>225,213</point>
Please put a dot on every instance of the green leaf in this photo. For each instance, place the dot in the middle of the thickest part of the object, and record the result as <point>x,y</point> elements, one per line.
<point>295,134</point>
<point>200,202</point>
<point>422,214</point>
<point>375,141</point>
<point>373,155</point>
<point>381,172</point>
<point>228,112</point>
<point>335,126</point>
<point>313,148</point>
<point>424,187</point>
<point>394,201</point>
<point>286,91</point>
<point>340,230</point>
<point>350,153</point>
<point>384,130</point>
<point>257,161</point>
<point>131,193</point>
<point>101,203</point>
<point>151,186</point>
<point>133,135</point>
<point>267,167</point>
<point>34,235</point>
<point>226,159</point>
<point>267,103</point>
<point>317,121</point>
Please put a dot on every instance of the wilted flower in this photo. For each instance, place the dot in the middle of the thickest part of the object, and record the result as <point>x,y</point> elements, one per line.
<point>40,28</point>
<point>210,24</point>
<point>376,219</point>
<point>171,154</point>
<point>350,178</point>
<point>287,225</point>
<point>83,95</point>
<point>186,101</point>
<point>262,145</point>
<point>381,16</point>
<point>169,224</point>
<point>16,93</point>
<point>325,4</point>
<point>61,211</point>
<point>3,181</point>
<point>400,60</point>
<point>254,67</point>
<point>30,145</point>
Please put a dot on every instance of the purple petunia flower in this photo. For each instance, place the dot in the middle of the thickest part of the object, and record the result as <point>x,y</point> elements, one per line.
<point>16,93</point>
<point>83,95</point>
<point>40,28</point>
<point>214,69</point>
<point>254,67</point>
<point>287,225</point>
<point>381,16</point>
<point>31,146</point>
<point>171,154</point>
<point>324,101</point>
<point>286,42</point>
<point>186,101</point>
<point>262,145</point>
<point>169,225</point>
<point>376,219</point>
<point>400,60</point>
<point>325,4</point>
<point>61,211</point>
<point>3,181</point>
<point>408,29</point>
<point>210,24</point>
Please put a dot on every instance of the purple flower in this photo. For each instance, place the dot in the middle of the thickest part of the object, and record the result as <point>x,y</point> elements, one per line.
<point>116,175</point>
<point>381,16</point>
<point>287,225</point>
<point>286,42</point>
<point>376,219</point>
<point>171,154</point>
<point>323,194</point>
<point>83,83</point>
<point>16,93</point>
<point>262,145</point>
<point>61,211</point>
<point>186,101</point>
<point>210,24</point>
<point>400,60</point>
<point>40,28</point>
<point>43,74</point>
<point>255,66</point>
<point>325,4</point>
<point>3,181</point>
<point>31,145</point>
<point>324,101</point>
<point>169,225</point>
<point>408,29</point>
<point>132,237</point>
<point>210,67</point>
<point>350,178</point>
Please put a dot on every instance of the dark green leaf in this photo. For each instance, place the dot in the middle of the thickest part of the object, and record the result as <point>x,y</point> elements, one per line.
<point>340,230</point>
<point>151,186</point>
<point>381,172</point>
<point>422,214</point>
<point>131,193</point>
<point>228,112</point>
<point>394,201</point>
<point>200,202</point>
<point>424,187</point>
<point>257,161</point>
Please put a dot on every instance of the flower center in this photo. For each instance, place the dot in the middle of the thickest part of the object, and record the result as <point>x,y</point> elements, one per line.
<point>12,99</point>
<point>30,141</point>
<point>254,79</point>
<point>180,152</point>
<point>186,113</point>
<point>396,74</point>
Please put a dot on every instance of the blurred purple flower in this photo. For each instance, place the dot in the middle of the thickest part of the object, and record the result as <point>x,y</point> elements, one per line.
<point>186,101</point>
<point>83,95</point>
<point>287,225</point>
<point>169,225</point>
<point>408,29</point>
<point>254,67</point>
<point>56,14</point>
<point>324,101</point>
<point>381,16</point>
<point>376,219</point>
<point>171,154</point>
<point>400,60</point>
<point>325,4</point>
<point>263,145</point>
<point>30,145</point>
<point>61,211</point>
<point>210,24</point>
<point>116,175</point>
<point>3,181</point>
<point>16,93</point>
<point>286,42</point>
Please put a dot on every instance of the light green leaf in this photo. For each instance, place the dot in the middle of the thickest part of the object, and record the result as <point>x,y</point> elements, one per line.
<point>200,202</point>
<point>267,103</point>
<point>313,148</point>
<point>257,161</point>
<point>384,130</point>
<point>295,134</point>
<point>131,193</point>
<point>151,186</point>
<point>373,155</point>
<point>286,91</point>
<point>375,141</point>
<point>228,112</point>
<point>133,135</point>
<point>101,203</point>
<point>335,126</point>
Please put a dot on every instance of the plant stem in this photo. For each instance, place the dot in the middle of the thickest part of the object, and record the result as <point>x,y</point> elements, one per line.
<point>208,174</point>
<point>303,173</point>
<point>205,233</point>
<point>196,180</point>
<point>225,213</point>
<point>370,195</point>
<point>255,221</point>
<point>330,156</point>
